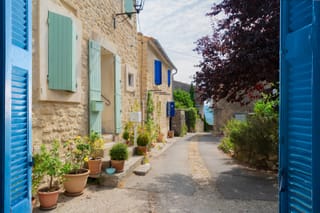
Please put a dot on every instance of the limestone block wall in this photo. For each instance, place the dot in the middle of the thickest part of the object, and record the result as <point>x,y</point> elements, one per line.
<point>225,111</point>
<point>178,121</point>
<point>62,115</point>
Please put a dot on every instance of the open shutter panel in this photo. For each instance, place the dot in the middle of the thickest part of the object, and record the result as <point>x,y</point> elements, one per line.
<point>61,53</point>
<point>95,87</point>
<point>169,78</point>
<point>128,6</point>
<point>15,149</point>
<point>117,61</point>
<point>157,72</point>
<point>299,111</point>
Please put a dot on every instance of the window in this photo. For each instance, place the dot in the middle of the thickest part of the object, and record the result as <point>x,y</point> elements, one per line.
<point>128,7</point>
<point>131,80</point>
<point>157,72</point>
<point>61,53</point>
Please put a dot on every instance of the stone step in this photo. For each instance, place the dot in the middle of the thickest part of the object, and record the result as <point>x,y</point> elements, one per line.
<point>114,179</point>
<point>142,169</point>
<point>108,138</point>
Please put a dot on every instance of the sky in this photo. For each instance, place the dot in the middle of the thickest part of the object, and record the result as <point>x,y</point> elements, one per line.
<point>177,25</point>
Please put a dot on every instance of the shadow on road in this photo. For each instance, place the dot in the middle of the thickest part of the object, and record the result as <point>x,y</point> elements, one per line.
<point>242,184</point>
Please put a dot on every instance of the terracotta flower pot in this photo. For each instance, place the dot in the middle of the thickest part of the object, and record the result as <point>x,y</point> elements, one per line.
<point>142,149</point>
<point>48,200</point>
<point>74,184</point>
<point>118,165</point>
<point>95,166</point>
<point>170,134</point>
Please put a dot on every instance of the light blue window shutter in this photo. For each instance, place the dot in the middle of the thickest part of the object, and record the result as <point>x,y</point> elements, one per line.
<point>118,125</point>
<point>128,6</point>
<point>95,112</point>
<point>157,72</point>
<point>299,175</point>
<point>15,101</point>
<point>169,78</point>
<point>61,53</point>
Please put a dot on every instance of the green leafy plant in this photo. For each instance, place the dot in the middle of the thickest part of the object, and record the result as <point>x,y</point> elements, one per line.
<point>126,135</point>
<point>96,143</point>
<point>143,139</point>
<point>47,163</point>
<point>77,152</point>
<point>119,151</point>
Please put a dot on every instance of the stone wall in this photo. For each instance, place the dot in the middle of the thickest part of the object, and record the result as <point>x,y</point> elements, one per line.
<point>225,111</point>
<point>178,121</point>
<point>63,117</point>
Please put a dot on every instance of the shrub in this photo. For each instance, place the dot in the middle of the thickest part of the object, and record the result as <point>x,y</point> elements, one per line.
<point>143,139</point>
<point>254,141</point>
<point>191,119</point>
<point>119,151</point>
<point>96,143</point>
<point>126,135</point>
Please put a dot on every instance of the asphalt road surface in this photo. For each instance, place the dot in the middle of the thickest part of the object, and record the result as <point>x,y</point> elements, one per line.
<point>194,176</point>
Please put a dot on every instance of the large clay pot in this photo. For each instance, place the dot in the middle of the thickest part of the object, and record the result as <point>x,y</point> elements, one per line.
<point>48,200</point>
<point>75,183</point>
<point>95,166</point>
<point>170,134</point>
<point>118,165</point>
<point>142,150</point>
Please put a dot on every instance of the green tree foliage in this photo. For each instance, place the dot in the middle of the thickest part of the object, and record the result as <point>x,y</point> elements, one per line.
<point>182,99</point>
<point>192,95</point>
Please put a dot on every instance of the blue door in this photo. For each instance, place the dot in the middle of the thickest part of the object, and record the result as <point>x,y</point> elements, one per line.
<point>15,94</point>
<point>299,180</point>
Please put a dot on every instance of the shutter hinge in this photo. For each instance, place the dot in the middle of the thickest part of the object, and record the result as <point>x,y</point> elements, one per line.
<point>282,180</point>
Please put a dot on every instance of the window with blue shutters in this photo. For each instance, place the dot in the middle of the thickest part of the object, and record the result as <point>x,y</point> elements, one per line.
<point>61,53</point>
<point>169,78</point>
<point>157,72</point>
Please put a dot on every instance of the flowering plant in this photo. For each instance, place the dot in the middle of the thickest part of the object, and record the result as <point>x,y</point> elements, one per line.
<point>76,153</point>
<point>95,142</point>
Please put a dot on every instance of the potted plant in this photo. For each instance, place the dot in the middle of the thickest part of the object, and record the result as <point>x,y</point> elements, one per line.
<point>76,153</point>
<point>118,154</point>
<point>96,143</point>
<point>142,142</point>
<point>126,137</point>
<point>47,163</point>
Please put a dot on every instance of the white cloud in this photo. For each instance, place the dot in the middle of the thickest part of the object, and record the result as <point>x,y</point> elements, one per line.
<point>177,25</point>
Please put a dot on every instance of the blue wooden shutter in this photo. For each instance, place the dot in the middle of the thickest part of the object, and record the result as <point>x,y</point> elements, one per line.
<point>299,106</point>
<point>157,72</point>
<point>16,71</point>
<point>169,78</point>
<point>117,84</point>
<point>95,87</point>
<point>61,53</point>
<point>171,109</point>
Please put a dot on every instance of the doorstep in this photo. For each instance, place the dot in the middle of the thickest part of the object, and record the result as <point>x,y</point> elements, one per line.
<point>114,179</point>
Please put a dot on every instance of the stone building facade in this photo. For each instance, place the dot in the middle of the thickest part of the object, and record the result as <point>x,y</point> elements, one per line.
<point>150,55</point>
<point>62,114</point>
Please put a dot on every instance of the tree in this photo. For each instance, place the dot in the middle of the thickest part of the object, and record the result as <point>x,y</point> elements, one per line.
<point>191,91</point>
<point>241,53</point>
<point>182,99</point>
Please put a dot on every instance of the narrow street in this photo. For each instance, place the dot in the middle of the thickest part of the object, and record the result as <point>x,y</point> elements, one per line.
<point>190,176</point>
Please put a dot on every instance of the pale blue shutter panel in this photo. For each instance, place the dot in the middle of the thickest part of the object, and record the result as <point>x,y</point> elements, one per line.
<point>61,53</point>
<point>95,87</point>
<point>15,93</point>
<point>157,72</point>
<point>300,106</point>
<point>118,125</point>
<point>128,6</point>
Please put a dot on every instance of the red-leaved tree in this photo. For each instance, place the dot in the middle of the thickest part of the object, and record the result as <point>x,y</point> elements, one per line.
<point>241,53</point>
